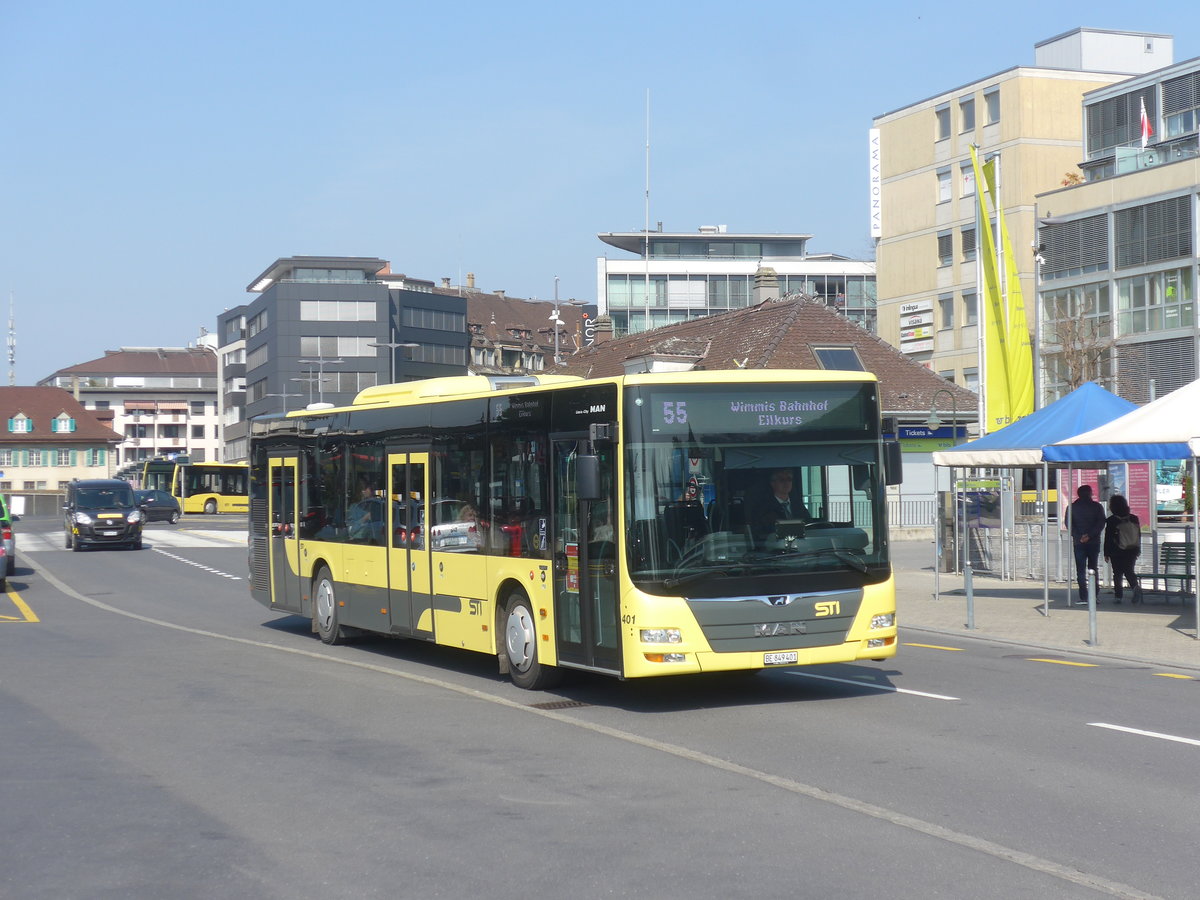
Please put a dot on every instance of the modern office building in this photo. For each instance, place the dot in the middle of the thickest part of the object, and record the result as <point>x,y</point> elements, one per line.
<point>163,400</point>
<point>672,277</point>
<point>1118,252</point>
<point>322,328</point>
<point>925,217</point>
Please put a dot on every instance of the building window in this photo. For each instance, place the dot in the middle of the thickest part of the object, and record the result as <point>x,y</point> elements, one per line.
<point>1070,249</point>
<point>95,457</point>
<point>35,458</point>
<point>942,119</point>
<point>198,407</point>
<point>6,458</point>
<point>101,404</point>
<point>991,102</point>
<point>948,375</point>
<point>62,423</point>
<point>968,244</point>
<point>256,391</point>
<point>1155,302</point>
<point>1153,232</point>
<point>845,358</point>
<point>946,310</point>
<point>970,308</point>
<point>337,310</point>
<point>945,248</point>
<point>257,324</point>
<point>198,432</point>
<point>944,192</point>
<point>62,457</point>
<point>20,424</point>
<point>971,380</point>
<point>434,319</point>
<point>966,177</point>
<point>966,113</point>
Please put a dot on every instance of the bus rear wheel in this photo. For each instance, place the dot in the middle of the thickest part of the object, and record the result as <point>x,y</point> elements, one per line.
<point>521,647</point>
<point>325,615</point>
<point>210,507</point>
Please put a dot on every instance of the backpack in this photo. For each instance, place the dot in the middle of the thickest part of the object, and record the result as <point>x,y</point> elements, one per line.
<point>1129,534</point>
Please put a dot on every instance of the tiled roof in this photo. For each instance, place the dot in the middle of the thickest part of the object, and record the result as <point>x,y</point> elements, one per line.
<point>500,315</point>
<point>779,334</point>
<point>148,361</point>
<point>41,405</point>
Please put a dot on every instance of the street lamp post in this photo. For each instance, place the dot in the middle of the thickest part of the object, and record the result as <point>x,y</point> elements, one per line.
<point>283,395</point>
<point>320,362</point>
<point>393,345</point>
<point>557,320</point>
<point>934,423</point>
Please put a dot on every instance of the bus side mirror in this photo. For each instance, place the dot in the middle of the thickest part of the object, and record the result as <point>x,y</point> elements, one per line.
<point>893,464</point>
<point>587,478</point>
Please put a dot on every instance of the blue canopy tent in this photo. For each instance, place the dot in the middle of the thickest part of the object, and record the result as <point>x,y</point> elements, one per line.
<point>1020,444</point>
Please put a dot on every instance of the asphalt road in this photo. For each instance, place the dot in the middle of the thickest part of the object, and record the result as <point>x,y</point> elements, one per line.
<point>163,735</point>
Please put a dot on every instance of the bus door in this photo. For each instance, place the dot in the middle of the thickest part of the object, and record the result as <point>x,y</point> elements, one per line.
<point>281,516</point>
<point>585,561</point>
<point>409,571</point>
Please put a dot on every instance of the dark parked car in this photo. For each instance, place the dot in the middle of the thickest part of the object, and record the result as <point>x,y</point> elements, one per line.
<point>159,506</point>
<point>102,511</point>
<point>9,541</point>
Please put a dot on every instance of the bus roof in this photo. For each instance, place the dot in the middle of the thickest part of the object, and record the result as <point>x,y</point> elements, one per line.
<point>427,390</point>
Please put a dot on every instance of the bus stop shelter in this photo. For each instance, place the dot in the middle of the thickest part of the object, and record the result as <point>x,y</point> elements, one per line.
<point>1168,428</point>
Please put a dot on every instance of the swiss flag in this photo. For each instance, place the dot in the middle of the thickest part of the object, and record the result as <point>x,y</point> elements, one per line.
<point>1147,131</point>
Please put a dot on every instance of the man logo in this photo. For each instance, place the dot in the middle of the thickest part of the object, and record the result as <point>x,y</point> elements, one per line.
<point>778,600</point>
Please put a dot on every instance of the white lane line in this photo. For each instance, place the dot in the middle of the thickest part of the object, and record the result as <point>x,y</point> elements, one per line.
<point>200,566</point>
<point>1153,734</point>
<point>878,687</point>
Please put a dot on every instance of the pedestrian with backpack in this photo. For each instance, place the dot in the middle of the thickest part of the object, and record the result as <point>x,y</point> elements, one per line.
<point>1122,546</point>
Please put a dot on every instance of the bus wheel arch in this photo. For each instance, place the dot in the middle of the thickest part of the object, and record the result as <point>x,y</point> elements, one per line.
<point>519,644</point>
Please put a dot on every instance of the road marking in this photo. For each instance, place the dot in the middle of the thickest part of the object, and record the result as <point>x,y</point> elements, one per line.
<point>868,684</point>
<point>811,792</point>
<point>1153,734</point>
<point>1065,662</point>
<point>200,566</point>
<point>935,647</point>
<point>1175,675</point>
<point>27,614</point>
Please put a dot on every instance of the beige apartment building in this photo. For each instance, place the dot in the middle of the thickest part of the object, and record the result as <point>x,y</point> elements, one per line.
<point>924,217</point>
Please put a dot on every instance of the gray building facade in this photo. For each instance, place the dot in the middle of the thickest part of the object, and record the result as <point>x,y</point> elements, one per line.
<point>324,328</point>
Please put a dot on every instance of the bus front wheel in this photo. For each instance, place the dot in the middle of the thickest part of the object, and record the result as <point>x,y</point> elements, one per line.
<point>521,646</point>
<point>325,615</point>
<point>210,507</point>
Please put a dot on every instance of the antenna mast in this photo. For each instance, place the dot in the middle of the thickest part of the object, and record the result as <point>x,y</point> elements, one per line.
<point>12,341</point>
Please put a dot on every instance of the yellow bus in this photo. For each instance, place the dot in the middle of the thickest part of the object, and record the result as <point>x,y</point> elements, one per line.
<point>631,526</point>
<point>200,487</point>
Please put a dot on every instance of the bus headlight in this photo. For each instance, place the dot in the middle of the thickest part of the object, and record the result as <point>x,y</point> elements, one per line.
<point>661,636</point>
<point>887,620</point>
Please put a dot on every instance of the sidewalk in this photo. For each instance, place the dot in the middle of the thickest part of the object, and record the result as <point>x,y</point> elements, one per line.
<point>1153,632</point>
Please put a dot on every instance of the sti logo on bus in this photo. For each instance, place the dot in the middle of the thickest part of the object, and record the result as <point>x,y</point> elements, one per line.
<point>828,608</point>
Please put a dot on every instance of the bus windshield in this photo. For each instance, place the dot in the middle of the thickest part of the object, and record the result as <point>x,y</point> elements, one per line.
<point>743,491</point>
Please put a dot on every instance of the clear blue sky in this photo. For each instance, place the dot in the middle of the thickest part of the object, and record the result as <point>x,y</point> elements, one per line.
<point>157,156</point>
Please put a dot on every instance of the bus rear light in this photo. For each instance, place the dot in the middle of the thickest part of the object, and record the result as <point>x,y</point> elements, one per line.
<point>666,657</point>
<point>887,620</point>
<point>661,636</point>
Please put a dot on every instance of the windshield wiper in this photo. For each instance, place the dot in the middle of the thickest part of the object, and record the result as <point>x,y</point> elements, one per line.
<point>850,558</point>
<point>716,571</point>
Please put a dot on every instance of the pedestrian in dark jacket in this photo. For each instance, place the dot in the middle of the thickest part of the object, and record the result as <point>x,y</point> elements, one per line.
<point>1086,518</point>
<point>1122,558</point>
